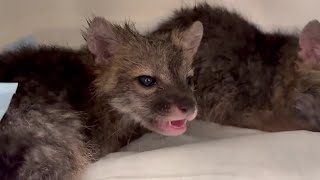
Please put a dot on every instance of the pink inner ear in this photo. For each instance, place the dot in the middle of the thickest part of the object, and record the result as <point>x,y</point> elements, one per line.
<point>101,40</point>
<point>309,51</point>
<point>192,37</point>
<point>101,49</point>
<point>310,42</point>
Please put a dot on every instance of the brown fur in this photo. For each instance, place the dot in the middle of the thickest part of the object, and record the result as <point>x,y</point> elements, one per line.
<point>73,106</point>
<point>245,77</point>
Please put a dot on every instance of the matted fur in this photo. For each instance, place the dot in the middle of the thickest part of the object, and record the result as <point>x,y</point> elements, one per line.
<point>245,77</point>
<point>72,108</point>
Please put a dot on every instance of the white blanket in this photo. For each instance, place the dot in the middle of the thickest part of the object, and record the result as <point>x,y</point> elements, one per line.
<point>209,151</point>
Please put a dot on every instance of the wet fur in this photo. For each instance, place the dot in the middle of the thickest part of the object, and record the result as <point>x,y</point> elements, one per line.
<point>246,77</point>
<point>73,106</point>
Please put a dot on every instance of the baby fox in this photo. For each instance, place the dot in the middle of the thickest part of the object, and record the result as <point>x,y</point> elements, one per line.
<point>248,78</point>
<point>74,106</point>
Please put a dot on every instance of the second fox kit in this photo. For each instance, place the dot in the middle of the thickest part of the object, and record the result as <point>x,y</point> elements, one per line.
<point>245,77</point>
<point>73,106</point>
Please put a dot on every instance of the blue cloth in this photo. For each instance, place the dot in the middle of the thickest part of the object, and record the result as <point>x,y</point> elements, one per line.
<point>7,90</point>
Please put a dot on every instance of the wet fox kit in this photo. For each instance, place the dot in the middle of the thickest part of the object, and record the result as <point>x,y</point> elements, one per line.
<point>245,77</point>
<point>74,106</point>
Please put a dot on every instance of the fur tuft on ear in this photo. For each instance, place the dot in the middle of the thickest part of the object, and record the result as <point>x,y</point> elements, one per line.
<point>101,39</point>
<point>189,39</point>
<point>309,42</point>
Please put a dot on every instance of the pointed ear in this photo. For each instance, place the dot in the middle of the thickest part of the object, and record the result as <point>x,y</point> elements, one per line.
<point>101,39</point>
<point>309,42</point>
<point>189,39</point>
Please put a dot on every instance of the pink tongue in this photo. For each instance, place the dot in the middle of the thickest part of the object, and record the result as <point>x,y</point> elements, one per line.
<point>178,123</point>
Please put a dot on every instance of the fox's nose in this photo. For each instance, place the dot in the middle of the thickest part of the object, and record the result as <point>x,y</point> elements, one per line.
<point>185,104</point>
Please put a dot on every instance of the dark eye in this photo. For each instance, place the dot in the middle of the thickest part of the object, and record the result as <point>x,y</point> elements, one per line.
<point>146,81</point>
<point>189,80</point>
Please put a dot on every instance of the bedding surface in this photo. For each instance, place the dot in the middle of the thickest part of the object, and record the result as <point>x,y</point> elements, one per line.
<point>209,151</point>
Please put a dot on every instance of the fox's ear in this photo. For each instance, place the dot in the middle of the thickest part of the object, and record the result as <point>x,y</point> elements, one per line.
<point>309,42</point>
<point>189,39</point>
<point>101,39</point>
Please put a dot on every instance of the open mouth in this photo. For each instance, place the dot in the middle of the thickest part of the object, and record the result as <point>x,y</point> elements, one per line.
<point>173,127</point>
<point>177,124</point>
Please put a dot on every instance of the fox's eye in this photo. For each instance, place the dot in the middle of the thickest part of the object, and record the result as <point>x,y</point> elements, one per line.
<point>146,81</point>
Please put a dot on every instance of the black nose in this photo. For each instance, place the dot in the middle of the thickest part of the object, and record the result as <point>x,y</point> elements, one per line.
<point>184,103</point>
<point>167,100</point>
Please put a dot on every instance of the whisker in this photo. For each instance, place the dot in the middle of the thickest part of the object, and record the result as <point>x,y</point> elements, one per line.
<point>115,132</point>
